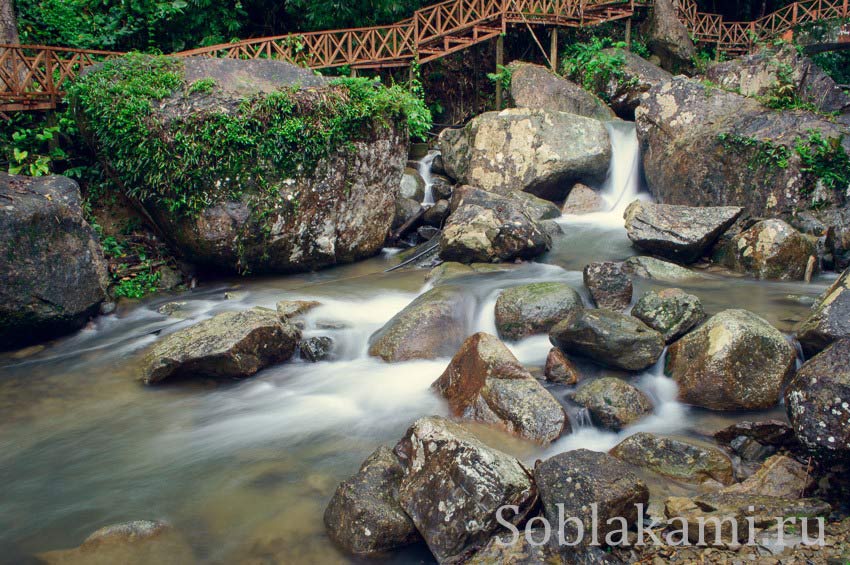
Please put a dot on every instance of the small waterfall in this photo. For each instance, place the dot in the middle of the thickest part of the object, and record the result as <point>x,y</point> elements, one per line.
<point>425,173</point>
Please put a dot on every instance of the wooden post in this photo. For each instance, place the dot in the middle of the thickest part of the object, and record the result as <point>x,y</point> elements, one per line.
<point>353,72</point>
<point>553,50</point>
<point>500,61</point>
<point>629,34</point>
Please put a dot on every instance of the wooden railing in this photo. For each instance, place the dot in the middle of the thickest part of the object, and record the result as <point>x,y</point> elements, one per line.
<point>33,77</point>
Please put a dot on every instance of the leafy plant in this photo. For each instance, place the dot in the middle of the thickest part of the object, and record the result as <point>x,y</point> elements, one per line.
<point>138,285</point>
<point>824,158</point>
<point>504,76</point>
<point>203,85</point>
<point>592,67</point>
<point>762,153</point>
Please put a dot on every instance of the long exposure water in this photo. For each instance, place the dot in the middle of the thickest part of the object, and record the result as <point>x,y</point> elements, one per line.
<point>244,470</point>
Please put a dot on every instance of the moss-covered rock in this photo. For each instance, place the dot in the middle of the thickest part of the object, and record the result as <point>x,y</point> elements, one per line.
<point>534,308</point>
<point>677,459</point>
<point>613,403</point>
<point>251,165</point>
<point>672,311</point>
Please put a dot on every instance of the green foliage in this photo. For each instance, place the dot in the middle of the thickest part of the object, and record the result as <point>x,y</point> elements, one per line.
<point>203,85</point>
<point>137,286</point>
<point>333,14</point>
<point>784,94</point>
<point>186,164</point>
<point>38,144</point>
<point>504,76</point>
<point>762,153</point>
<point>590,66</point>
<point>824,158</point>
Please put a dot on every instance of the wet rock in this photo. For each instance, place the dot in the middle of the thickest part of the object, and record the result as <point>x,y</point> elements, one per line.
<point>427,233</point>
<point>229,345</point>
<point>613,403</point>
<point>484,382</point>
<point>412,185</point>
<point>538,88</point>
<point>504,549</point>
<point>536,208</point>
<point>442,188</point>
<point>436,215</point>
<point>780,476</point>
<point>609,338</point>
<point>437,166</point>
<point>583,200</point>
<point>609,286</point>
<point>534,151</point>
<point>486,227</point>
<point>676,459</point>
<point>637,76</point>
<point>818,401</point>
<point>453,485</point>
<point>735,361</point>
<point>132,543</point>
<point>405,209</point>
<point>672,311</point>
<point>531,309</point>
<point>288,309</point>
<point>830,318</point>
<point>656,269</point>
<point>579,479</point>
<point>668,38</point>
<point>750,451</point>
<point>450,270</point>
<point>559,369</point>
<point>363,516</point>
<point>315,349</point>
<point>173,309</point>
<point>680,233</point>
<point>766,432</point>
<point>771,249</point>
<point>53,275</point>
<point>432,326</point>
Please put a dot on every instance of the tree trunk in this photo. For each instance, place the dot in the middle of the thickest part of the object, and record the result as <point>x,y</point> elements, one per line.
<point>8,23</point>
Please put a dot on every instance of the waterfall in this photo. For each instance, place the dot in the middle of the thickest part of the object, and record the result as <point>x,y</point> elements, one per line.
<point>425,172</point>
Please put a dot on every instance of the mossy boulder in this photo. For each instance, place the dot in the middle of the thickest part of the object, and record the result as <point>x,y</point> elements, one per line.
<point>538,88</point>
<point>771,249</point>
<point>250,165</point>
<point>671,311</point>
<point>613,403</point>
<point>676,459</point>
<point>534,308</point>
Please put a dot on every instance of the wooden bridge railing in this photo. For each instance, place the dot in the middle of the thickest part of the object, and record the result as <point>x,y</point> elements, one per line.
<point>33,77</point>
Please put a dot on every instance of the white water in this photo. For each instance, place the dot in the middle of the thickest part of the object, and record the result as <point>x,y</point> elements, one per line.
<point>425,173</point>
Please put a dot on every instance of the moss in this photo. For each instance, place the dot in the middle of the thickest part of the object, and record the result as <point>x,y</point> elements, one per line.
<point>187,163</point>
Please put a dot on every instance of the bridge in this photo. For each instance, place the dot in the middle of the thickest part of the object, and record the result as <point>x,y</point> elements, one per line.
<point>33,77</point>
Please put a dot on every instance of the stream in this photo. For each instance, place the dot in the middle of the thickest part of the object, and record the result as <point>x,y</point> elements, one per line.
<point>244,470</point>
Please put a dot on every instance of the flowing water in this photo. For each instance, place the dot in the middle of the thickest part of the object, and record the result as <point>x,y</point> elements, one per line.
<point>244,470</point>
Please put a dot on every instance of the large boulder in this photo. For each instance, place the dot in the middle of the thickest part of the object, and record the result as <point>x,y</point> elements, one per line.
<point>228,345</point>
<point>772,249</point>
<point>818,401</point>
<point>671,311</point>
<point>53,276</point>
<point>534,308</point>
<point>703,146</point>
<point>583,200</point>
<point>412,185</point>
<point>656,269</point>
<point>609,338</point>
<point>613,403</point>
<point>535,151</point>
<point>830,318</point>
<point>484,382</point>
<point>487,227</point>
<point>766,72</point>
<point>363,516</point>
<point>635,76</point>
<point>433,325</point>
<point>585,485</point>
<point>454,485</point>
<point>538,88</point>
<point>676,459</point>
<point>668,38</point>
<point>277,172</point>
<point>680,233</point>
<point>779,476</point>
<point>735,361</point>
<point>609,285</point>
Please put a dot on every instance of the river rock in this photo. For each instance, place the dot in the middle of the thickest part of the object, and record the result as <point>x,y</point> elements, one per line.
<point>766,432</point>
<point>363,516</point>
<point>771,249</point>
<point>486,227</point>
<point>609,286</point>
<point>672,311</point>
<point>336,210</point>
<point>538,88</point>
<point>484,382</point>
<point>133,543</point>
<point>613,403</point>
<point>818,401</point>
<point>735,361</point>
<point>534,151</point>
<point>679,233</point>
<point>289,309</point>
<point>830,318</point>
<point>436,215</point>
<point>534,308</point>
<point>315,349</point>
<point>228,345</point>
<point>609,338</point>
<point>503,549</point>
<point>779,476</point>
<point>432,326</point>
<point>579,479</point>
<point>559,369</point>
<point>676,459</point>
<point>583,200</point>
<point>668,38</point>
<point>656,269</point>
<point>453,485</point>
<point>763,72</point>
<point>53,275</point>
<point>412,185</point>
<point>405,210</point>
<point>437,166</point>
<point>636,77</point>
<point>703,146</point>
<point>441,187</point>
<point>536,208</point>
